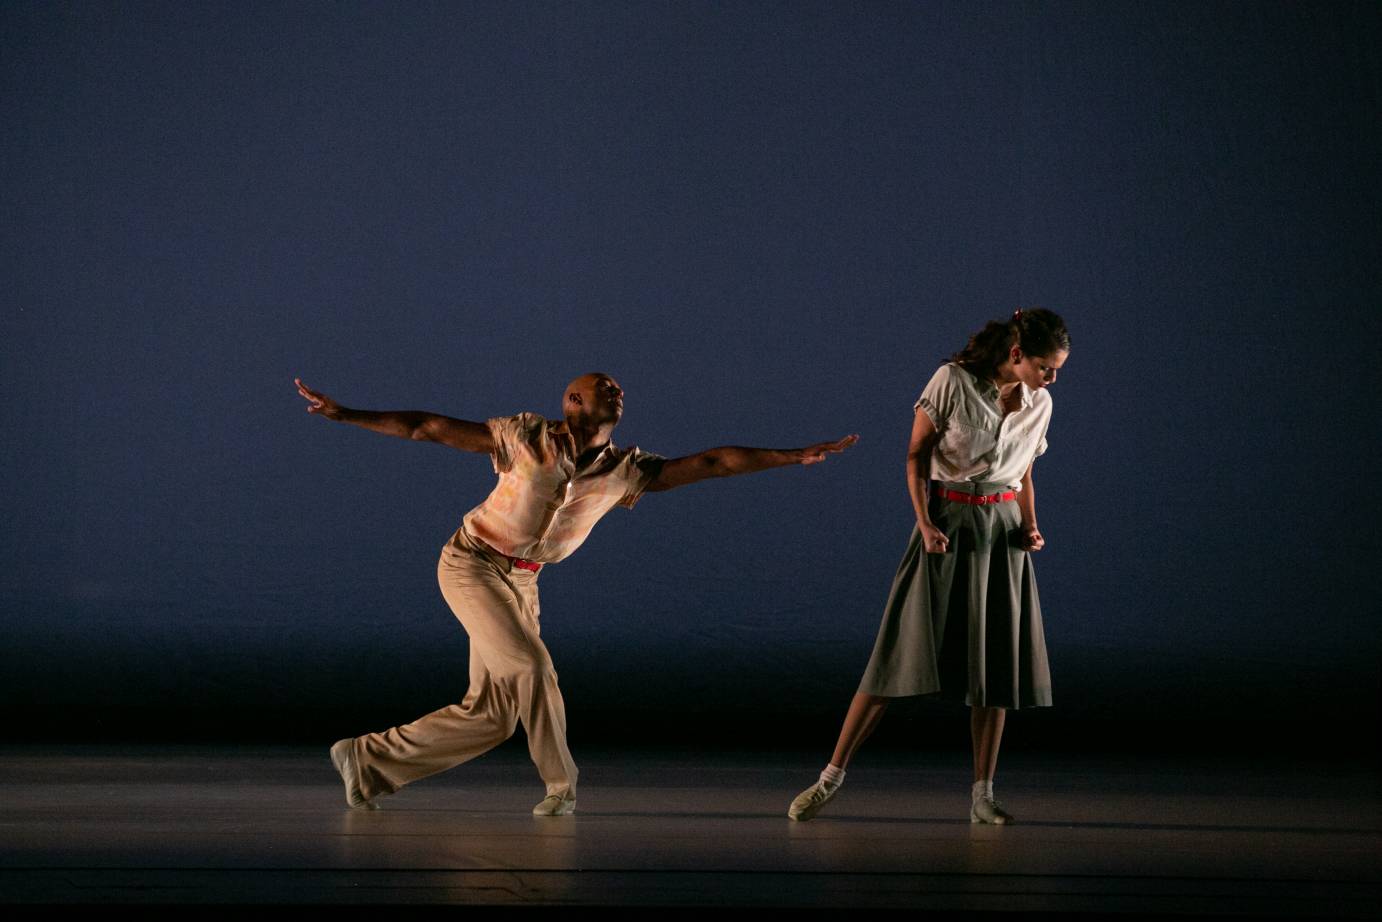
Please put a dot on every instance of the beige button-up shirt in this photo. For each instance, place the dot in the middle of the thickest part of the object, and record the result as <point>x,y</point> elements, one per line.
<point>543,508</point>
<point>978,443</point>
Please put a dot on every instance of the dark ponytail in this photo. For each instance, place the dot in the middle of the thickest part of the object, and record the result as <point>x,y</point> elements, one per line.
<point>1037,332</point>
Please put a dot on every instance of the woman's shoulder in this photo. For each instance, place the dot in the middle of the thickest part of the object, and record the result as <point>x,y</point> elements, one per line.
<point>954,374</point>
<point>946,370</point>
<point>947,387</point>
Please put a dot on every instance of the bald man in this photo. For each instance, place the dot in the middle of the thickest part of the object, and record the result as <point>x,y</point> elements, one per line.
<point>556,479</point>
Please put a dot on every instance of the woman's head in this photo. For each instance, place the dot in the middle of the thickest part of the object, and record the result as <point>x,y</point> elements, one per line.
<point>1036,338</point>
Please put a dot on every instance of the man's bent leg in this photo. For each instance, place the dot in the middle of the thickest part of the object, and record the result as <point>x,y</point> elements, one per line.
<point>520,669</point>
<point>543,713</point>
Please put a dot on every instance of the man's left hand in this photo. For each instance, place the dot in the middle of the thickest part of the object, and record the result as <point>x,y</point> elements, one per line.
<point>814,453</point>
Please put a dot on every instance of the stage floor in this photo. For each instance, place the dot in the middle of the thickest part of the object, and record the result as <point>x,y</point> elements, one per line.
<point>198,825</point>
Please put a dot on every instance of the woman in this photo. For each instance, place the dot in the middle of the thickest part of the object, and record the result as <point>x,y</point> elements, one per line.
<point>963,619</point>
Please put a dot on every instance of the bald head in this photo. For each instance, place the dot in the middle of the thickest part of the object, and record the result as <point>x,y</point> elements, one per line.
<point>593,399</point>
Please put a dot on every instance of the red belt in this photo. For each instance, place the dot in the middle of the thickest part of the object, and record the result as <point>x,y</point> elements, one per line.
<point>969,498</point>
<point>516,561</point>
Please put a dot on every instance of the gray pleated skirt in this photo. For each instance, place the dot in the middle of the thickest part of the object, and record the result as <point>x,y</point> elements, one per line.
<point>965,624</point>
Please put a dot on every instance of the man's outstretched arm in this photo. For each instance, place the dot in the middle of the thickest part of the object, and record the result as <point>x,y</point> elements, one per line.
<point>730,460</point>
<point>405,424</point>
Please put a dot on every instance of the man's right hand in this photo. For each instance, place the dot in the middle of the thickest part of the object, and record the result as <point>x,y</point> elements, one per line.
<point>317,402</point>
<point>933,540</point>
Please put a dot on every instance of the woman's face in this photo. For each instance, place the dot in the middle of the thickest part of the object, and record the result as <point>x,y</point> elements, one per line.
<point>1038,371</point>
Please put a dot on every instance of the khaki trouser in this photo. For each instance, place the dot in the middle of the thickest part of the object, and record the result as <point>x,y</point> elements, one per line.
<point>511,680</point>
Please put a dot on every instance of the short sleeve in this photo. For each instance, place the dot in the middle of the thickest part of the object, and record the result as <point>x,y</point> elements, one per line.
<point>508,433</point>
<point>941,396</point>
<point>642,468</point>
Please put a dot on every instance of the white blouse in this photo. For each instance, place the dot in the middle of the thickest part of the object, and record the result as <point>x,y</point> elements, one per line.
<point>978,443</point>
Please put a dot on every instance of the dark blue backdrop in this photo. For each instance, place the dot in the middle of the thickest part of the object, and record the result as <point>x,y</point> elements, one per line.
<point>770,221</point>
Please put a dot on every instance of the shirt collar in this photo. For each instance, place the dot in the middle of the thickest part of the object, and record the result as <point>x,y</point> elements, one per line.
<point>982,383</point>
<point>990,390</point>
<point>559,428</point>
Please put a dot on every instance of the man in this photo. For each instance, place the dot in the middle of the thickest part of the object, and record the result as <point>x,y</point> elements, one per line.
<point>555,482</point>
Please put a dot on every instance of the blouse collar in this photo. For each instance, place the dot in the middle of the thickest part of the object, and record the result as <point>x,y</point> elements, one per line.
<point>989,389</point>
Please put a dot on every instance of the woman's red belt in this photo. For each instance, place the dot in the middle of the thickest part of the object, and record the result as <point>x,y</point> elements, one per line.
<point>957,497</point>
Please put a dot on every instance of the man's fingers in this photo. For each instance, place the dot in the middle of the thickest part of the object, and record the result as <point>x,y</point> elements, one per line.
<point>315,402</point>
<point>841,444</point>
<point>306,391</point>
<point>818,452</point>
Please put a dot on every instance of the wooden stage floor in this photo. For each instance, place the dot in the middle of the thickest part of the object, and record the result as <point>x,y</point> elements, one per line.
<point>167,826</point>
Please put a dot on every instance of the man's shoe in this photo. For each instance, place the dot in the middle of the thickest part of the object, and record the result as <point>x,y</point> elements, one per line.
<point>555,805</point>
<point>343,757</point>
<point>809,802</point>
<point>987,810</point>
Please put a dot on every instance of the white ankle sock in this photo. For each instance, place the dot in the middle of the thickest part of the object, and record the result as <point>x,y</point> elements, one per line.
<point>981,789</point>
<point>833,775</point>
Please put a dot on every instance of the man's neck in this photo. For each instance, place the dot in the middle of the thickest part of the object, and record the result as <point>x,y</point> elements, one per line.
<point>588,440</point>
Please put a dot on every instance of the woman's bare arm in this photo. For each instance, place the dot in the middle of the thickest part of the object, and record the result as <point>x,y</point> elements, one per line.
<point>919,448</point>
<point>1026,504</point>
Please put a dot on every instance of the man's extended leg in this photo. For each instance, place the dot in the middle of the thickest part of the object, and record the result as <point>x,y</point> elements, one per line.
<point>442,739</point>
